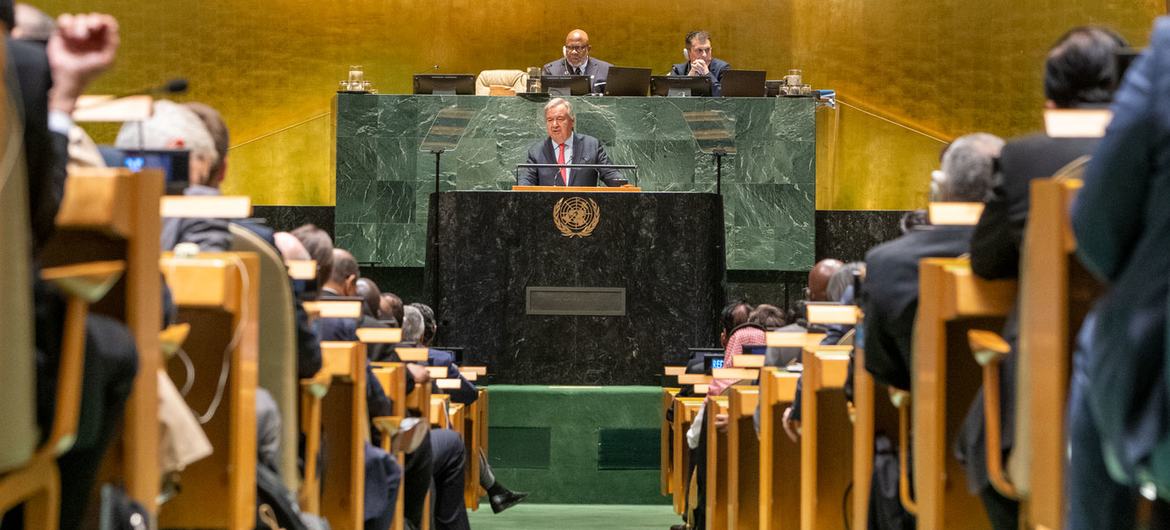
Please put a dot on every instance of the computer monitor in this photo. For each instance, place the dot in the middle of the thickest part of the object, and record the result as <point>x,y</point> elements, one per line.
<point>567,85</point>
<point>175,163</point>
<point>743,84</point>
<point>680,85</point>
<point>622,81</point>
<point>755,349</point>
<point>712,361</point>
<point>772,87</point>
<point>445,84</point>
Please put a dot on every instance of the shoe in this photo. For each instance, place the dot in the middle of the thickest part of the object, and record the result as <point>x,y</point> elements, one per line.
<point>680,527</point>
<point>506,500</point>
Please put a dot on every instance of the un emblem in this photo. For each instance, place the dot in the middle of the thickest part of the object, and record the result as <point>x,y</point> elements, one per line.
<point>576,216</point>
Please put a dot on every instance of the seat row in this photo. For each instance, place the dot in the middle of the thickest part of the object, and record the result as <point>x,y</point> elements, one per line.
<point>823,481</point>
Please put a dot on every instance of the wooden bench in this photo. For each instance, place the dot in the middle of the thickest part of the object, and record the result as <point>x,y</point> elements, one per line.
<point>685,410</point>
<point>779,457</point>
<point>665,449</point>
<point>717,465</point>
<point>743,458</point>
<point>392,377</point>
<point>952,300</point>
<point>475,442</point>
<point>1056,293</point>
<point>345,418</point>
<point>870,416</point>
<point>826,442</point>
<point>109,214</point>
<point>218,295</point>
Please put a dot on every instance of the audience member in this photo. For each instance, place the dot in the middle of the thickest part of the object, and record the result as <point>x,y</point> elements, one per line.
<point>390,309</point>
<point>1118,397</point>
<point>700,61</point>
<point>1080,71</point>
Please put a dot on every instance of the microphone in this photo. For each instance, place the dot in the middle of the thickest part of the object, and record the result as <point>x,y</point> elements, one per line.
<point>177,85</point>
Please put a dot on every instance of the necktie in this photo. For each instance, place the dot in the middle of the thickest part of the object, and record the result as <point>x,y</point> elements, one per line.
<point>561,160</point>
<point>576,70</point>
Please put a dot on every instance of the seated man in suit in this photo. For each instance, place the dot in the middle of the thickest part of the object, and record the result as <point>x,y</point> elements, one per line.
<point>577,61</point>
<point>564,146</point>
<point>700,60</point>
<point>1079,71</point>
<point>890,293</point>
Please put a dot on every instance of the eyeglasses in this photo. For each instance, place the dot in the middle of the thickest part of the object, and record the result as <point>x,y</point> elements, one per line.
<point>579,49</point>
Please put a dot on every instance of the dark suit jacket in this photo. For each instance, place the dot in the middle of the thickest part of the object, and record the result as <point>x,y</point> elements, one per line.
<point>715,71</point>
<point>1122,225</point>
<point>890,296</point>
<point>45,152</point>
<point>995,254</point>
<point>586,150</point>
<point>995,246</point>
<point>595,67</point>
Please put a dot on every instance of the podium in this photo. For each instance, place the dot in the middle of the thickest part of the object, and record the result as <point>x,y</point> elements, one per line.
<point>575,286</point>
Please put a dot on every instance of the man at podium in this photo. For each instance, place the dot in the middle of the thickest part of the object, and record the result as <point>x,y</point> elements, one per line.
<point>564,146</point>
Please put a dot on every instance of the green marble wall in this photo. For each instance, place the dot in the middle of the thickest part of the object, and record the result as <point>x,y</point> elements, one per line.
<point>769,187</point>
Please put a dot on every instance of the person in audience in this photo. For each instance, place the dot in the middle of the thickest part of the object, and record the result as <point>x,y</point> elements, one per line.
<point>1117,410</point>
<point>564,146</point>
<point>390,309</point>
<point>700,61</point>
<point>890,294</point>
<point>46,81</point>
<point>320,247</point>
<point>1080,70</point>
<point>576,61</point>
<point>308,347</point>
<point>500,497</point>
<point>829,284</point>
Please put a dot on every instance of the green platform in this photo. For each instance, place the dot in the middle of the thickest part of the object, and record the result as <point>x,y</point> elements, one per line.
<point>577,445</point>
<point>574,517</point>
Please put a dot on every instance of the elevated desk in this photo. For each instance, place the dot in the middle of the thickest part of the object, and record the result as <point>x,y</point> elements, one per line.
<point>563,288</point>
<point>384,180</point>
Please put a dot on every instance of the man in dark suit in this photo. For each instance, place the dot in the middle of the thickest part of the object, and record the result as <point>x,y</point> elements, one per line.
<point>564,146</point>
<point>890,293</point>
<point>577,61</point>
<point>700,60</point>
<point>1118,395</point>
<point>1079,71</point>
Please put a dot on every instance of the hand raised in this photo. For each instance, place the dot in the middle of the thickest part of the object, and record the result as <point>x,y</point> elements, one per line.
<point>83,47</point>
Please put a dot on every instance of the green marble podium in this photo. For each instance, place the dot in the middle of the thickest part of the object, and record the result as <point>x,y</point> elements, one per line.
<point>384,180</point>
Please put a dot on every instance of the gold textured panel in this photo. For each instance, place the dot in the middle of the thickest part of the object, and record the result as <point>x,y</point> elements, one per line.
<point>941,67</point>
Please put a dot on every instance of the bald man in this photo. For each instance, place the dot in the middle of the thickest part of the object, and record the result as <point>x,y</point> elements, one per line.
<point>818,279</point>
<point>576,61</point>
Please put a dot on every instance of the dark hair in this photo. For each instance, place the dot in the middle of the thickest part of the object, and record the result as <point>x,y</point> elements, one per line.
<point>429,325</point>
<point>396,310</point>
<point>734,315</point>
<point>371,297</point>
<point>320,247</point>
<point>768,316</point>
<point>344,266</point>
<point>1082,66</point>
<point>696,36</point>
<point>8,15</point>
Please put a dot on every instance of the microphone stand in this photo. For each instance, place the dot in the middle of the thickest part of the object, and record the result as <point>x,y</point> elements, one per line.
<point>719,153</point>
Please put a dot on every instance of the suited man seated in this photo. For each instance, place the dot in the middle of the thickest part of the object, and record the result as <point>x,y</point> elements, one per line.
<point>564,146</point>
<point>700,61</point>
<point>576,61</point>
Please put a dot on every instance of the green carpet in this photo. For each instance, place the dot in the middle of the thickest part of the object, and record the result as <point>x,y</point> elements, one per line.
<point>575,517</point>
<point>577,445</point>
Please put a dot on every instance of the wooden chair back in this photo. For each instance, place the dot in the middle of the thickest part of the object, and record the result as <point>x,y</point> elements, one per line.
<point>780,469</point>
<point>218,295</point>
<point>826,439</point>
<point>345,420</point>
<point>717,466</point>
<point>951,301</point>
<point>1056,292</point>
<point>743,458</point>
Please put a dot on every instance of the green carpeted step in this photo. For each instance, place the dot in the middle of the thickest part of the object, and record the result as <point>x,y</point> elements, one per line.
<point>575,517</point>
<point>577,445</point>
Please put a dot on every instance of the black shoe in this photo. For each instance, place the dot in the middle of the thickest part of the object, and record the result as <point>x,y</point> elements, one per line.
<point>506,499</point>
<point>680,527</point>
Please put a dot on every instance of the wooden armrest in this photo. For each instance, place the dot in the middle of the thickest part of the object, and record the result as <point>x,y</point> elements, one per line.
<point>744,361</point>
<point>479,370</point>
<point>301,269</point>
<point>172,338</point>
<point>694,379</point>
<point>785,339</point>
<point>735,373</point>
<point>380,335</point>
<point>202,207</point>
<point>412,355</point>
<point>448,384</point>
<point>437,372</point>
<point>901,400</point>
<point>334,308</point>
<point>702,389</point>
<point>988,347</point>
<point>675,371</point>
<point>831,313</point>
<point>955,213</point>
<point>469,375</point>
<point>89,281</point>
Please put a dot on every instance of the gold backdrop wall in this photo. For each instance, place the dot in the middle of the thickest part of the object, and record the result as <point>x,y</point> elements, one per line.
<point>911,74</point>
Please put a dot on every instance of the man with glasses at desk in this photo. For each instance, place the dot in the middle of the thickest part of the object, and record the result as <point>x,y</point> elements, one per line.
<point>564,146</point>
<point>576,61</point>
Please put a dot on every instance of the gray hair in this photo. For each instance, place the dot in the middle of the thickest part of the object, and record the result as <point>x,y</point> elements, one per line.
<point>968,169</point>
<point>412,324</point>
<point>170,122</point>
<point>560,102</point>
<point>842,280</point>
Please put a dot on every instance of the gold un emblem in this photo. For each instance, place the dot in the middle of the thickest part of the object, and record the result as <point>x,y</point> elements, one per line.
<point>576,216</point>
